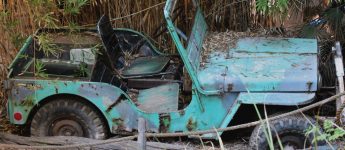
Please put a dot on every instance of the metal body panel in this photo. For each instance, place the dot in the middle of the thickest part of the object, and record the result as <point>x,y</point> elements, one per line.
<point>161,99</point>
<point>198,115</point>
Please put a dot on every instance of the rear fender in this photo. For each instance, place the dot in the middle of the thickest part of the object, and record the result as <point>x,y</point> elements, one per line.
<point>29,94</point>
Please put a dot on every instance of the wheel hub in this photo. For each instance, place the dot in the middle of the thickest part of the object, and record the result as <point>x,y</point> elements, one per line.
<point>290,142</point>
<point>289,147</point>
<point>66,127</point>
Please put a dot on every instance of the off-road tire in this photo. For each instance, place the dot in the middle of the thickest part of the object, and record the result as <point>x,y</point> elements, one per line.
<point>60,116</point>
<point>291,131</point>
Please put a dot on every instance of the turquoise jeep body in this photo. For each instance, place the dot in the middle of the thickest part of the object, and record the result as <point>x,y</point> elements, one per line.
<point>271,71</point>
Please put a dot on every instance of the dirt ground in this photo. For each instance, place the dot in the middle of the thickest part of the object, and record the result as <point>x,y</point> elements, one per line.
<point>237,144</point>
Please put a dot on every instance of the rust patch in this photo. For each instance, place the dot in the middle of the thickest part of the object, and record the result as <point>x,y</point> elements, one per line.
<point>56,90</point>
<point>118,100</point>
<point>29,101</point>
<point>309,84</point>
<point>117,121</point>
<point>118,125</point>
<point>94,87</point>
<point>191,125</point>
<point>164,122</point>
<point>230,87</point>
<point>182,112</point>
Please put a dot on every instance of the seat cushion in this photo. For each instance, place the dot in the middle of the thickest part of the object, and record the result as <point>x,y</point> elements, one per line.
<point>159,99</point>
<point>146,66</point>
<point>61,67</point>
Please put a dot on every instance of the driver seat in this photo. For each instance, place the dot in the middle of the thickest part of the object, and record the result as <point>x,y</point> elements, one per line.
<point>139,67</point>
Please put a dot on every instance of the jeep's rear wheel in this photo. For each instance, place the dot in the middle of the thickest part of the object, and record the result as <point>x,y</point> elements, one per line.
<point>290,130</point>
<point>68,117</point>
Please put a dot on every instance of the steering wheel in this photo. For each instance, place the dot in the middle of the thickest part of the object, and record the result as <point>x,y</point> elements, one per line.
<point>162,28</point>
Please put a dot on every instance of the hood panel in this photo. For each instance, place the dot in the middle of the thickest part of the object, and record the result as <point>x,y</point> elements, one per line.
<point>276,45</point>
<point>277,68</point>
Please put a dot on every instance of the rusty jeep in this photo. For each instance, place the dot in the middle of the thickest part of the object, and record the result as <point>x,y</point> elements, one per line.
<point>103,80</point>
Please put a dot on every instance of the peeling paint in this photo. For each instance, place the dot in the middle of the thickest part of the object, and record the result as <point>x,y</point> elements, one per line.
<point>164,122</point>
<point>29,101</point>
<point>191,125</point>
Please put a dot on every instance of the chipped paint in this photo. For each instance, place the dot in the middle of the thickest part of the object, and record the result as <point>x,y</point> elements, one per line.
<point>28,101</point>
<point>164,122</point>
<point>191,124</point>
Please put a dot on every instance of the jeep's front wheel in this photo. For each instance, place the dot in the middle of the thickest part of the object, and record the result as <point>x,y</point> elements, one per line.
<point>68,117</point>
<point>290,131</point>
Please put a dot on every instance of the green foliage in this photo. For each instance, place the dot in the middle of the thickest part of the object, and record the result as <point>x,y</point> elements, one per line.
<point>47,46</point>
<point>10,26</point>
<point>314,130</point>
<point>73,7</point>
<point>23,56</point>
<point>95,50</point>
<point>37,3</point>
<point>39,69</point>
<point>262,6</point>
<point>82,71</point>
<point>3,15</point>
<point>44,13</point>
<point>47,20</point>
<point>17,39</point>
<point>333,132</point>
<point>270,7</point>
<point>329,131</point>
<point>73,27</point>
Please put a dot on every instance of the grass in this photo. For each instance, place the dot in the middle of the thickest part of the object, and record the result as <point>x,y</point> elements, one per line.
<point>328,132</point>
<point>39,69</point>
<point>47,46</point>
